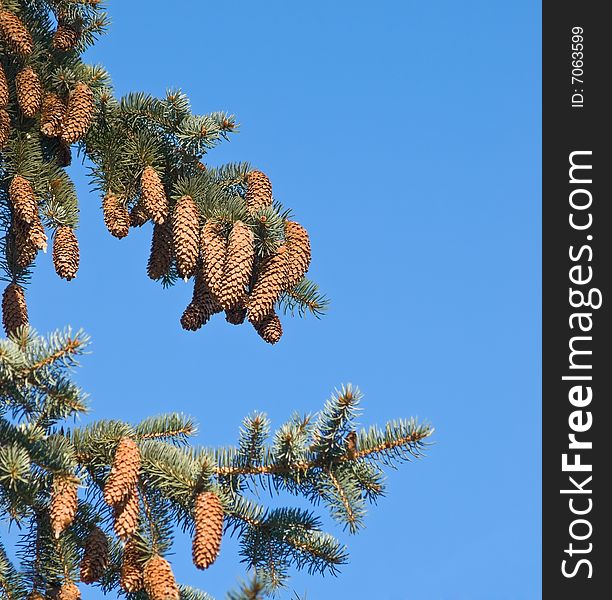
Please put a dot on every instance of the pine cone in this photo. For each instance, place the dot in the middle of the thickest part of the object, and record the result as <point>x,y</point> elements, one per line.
<point>95,557</point>
<point>79,113</point>
<point>64,154</point>
<point>5,127</point>
<point>213,256</point>
<point>36,233</point>
<point>269,285</point>
<point>131,579</point>
<point>236,315</point>
<point>34,595</point>
<point>65,38</point>
<point>259,191</point>
<point>69,591</point>
<point>116,216</point>
<point>298,253</point>
<point>15,33</point>
<point>153,196</point>
<point>22,250</point>
<point>269,328</point>
<point>185,236</point>
<point>238,266</point>
<point>138,216</point>
<point>126,514</point>
<point>53,111</point>
<point>65,253</point>
<point>23,199</point>
<point>159,581</point>
<point>4,88</point>
<point>208,517</point>
<point>14,308</point>
<point>160,258</point>
<point>202,306</point>
<point>63,506</point>
<point>29,92</point>
<point>124,472</point>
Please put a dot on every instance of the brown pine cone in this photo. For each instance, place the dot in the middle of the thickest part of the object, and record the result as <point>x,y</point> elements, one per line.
<point>95,557</point>
<point>66,253</point>
<point>131,578</point>
<point>52,117</point>
<point>159,581</point>
<point>37,234</point>
<point>269,285</point>
<point>138,216</point>
<point>65,37</point>
<point>69,591</point>
<point>79,113</point>
<point>202,307</point>
<point>236,315</point>
<point>29,92</point>
<point>126,514</point>
<point>4,89</point>
<point>14,308</point>
<point>269,328</point>
<point>116,216</point>
<point>63,506</point>
<point>213,252</point>
<point>5,127</point>
<point>15,33</point>
<point>208,517</point>
<point>259,191</point>
<point>153,196</point>
<point>238,266</point>
<point>124,472</point>
<point>298,253</point>
<point>160,258</point>
<point>23,199</point>
<point>22,249</point>
<point>185,236</point>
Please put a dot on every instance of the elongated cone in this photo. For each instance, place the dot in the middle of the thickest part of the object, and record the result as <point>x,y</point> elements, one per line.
<point>95,557</point>
<point>126,514</point>
<point>138,216</point>
<point>79,113</point>
<point>66,253</point>
<point>159,581</point>
<point>64,154</point>
<point>202,307</point>
<point>269,285</point>
<point>52,117</point>
<point>4,89</point>
<point>208,517</point>
<point>5,127</point>
<point>238,266</point>
<point>160,258</point>
<point>186,236</point>
<point>131,578</point>
<point>69,591</point>
<point>124,472</point>
<point>14,308</point>
<point>237,314</point>
<point>65,37</point>
<point>153,196</point>
<point>116,216</point>
<point>29,92</point>
<point>269,328</point>
<point>63,507</point>
<point>298,253</point>
<point>213,250</point>
<point>22,250</point>
<point>259,191</point>
<point>15,33</point>
<point>36,233</point>
<point>23,199</point>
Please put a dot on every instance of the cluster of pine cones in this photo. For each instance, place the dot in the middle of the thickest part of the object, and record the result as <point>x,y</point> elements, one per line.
<point>152,574</point>
<point>64,119</point>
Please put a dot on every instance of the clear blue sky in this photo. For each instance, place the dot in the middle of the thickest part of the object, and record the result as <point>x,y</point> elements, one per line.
<point>406,137</point>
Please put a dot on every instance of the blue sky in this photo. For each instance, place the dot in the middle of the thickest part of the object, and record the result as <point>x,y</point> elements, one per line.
<point>406,137</point>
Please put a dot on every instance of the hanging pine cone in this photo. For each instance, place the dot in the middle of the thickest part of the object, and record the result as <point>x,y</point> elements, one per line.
<point>236,315</point>
<point>159,581</point>
<point>22,250</point>
<point>65,37</point>
<point>238,266</point>
<point>65,253</point>
<point>52,117</point>
<point>259,191</point>
<point>79,113</point>
<point>126,514</point>
<point>160,258</point>
<point>208,517</point>
<point>298,253</point>
<point>269,285</point>
<point>23,199</point>
<point>153,196</point>
<point>213,256</point>
<point>202,306</point>
<point>29,92</point>
<point>95,556</point>
<point>5,127</point>
<point>15,33</point>
<point>63,507</point>
<point>116,216</point>
<point>185,236</point>
<point>138,216</point>
<point>4,89</point>
<point>69,591</point>
<point>131,579</point>
<point>37,234</point>
<point>124,472</point>
<point>14,308</point>
<point>64,154</point>
<point>269,328</point>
